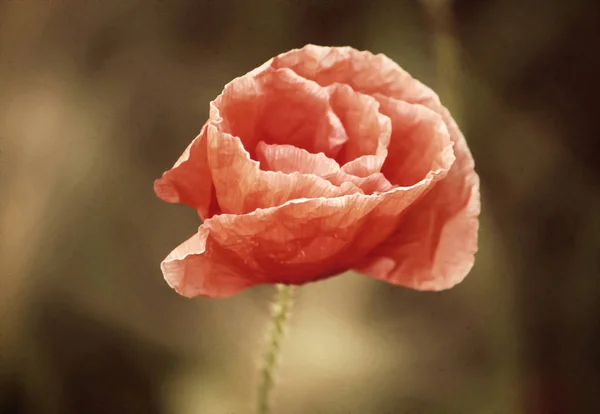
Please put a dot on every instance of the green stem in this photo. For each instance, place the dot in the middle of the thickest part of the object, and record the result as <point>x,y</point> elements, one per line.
<point>279,317</point>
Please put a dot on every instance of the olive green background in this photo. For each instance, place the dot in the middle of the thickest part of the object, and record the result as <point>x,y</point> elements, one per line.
<point>98,98</point>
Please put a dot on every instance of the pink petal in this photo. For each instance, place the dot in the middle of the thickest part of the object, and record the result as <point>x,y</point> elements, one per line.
<point>279,107</point>
<point>368,130</point>
<point>374,183</point>
<point>221,272</point>
<point>242,187</point>
<point>189,181</point>
<point>364,72</point>
<point>435,242</point>
<point>290,159</point>
<point>295,243</point>
<point>420,142</point>
<point>287,158</point>
<point>365,165</point>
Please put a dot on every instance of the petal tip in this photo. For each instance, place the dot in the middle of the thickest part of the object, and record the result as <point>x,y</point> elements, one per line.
<point>166,191</point>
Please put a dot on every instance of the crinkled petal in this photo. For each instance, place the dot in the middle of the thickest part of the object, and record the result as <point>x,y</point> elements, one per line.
<point>196,268</point>
<point>374,183</point>
<point>189,181</point>
<point>287,158</point>
<point>365,165</point>
<point>420,142</point>
<point>363,71</point>
<point>279,107</point>
<point>242,187</point>
<point>435,242</point>
<point>368,130</point>
<point>295,243</point>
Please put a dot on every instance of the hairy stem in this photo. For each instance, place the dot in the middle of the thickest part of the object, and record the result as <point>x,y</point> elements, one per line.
<point>279,317</point>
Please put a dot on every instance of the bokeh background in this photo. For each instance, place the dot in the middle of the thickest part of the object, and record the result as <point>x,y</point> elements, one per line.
<point>98,98</point>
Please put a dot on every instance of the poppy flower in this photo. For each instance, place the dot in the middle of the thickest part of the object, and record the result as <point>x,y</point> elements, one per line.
<point>321,160</point>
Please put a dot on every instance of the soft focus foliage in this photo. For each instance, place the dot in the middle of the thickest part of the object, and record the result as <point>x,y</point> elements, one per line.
<point>98,98</point>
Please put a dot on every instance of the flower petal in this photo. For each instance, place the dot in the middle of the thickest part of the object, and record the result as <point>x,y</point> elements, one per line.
<point>196,268</point>
<point>189,181</point>
<point>435,242</point>
<point>242,187</point>
<point>363,71</point>
<point>365,165</point>
<point>287,158</point>
<point>295,243</point>
<point>374,183</point>
<point>279,107</point>
<point>420,142</point>
<point>368,130</point>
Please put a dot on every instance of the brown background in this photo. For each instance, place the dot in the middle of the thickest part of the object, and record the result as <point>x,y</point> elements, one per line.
<point>97,98</point>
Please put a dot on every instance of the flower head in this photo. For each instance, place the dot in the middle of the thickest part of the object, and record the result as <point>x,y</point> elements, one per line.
<point>321,160</point>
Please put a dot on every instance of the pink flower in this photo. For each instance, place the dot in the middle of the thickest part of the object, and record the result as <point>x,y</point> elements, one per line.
<point>321,160</point>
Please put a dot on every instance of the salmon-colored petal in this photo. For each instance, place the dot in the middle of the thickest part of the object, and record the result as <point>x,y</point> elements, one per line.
<point>295,243</point>
<point>197,268</point>
<point>435,242</point>
<point>279,107</point>
<point>368,130</point>
<point>374,183</point>
<point>365,165</point>
<point>420,142</point>
<point>242,187</point>
<point>189,181</point>
<point>287,158</point>
<point>363,71</point>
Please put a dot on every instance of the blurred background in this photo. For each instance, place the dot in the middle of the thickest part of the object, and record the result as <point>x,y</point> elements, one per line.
<point>98,98</point>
